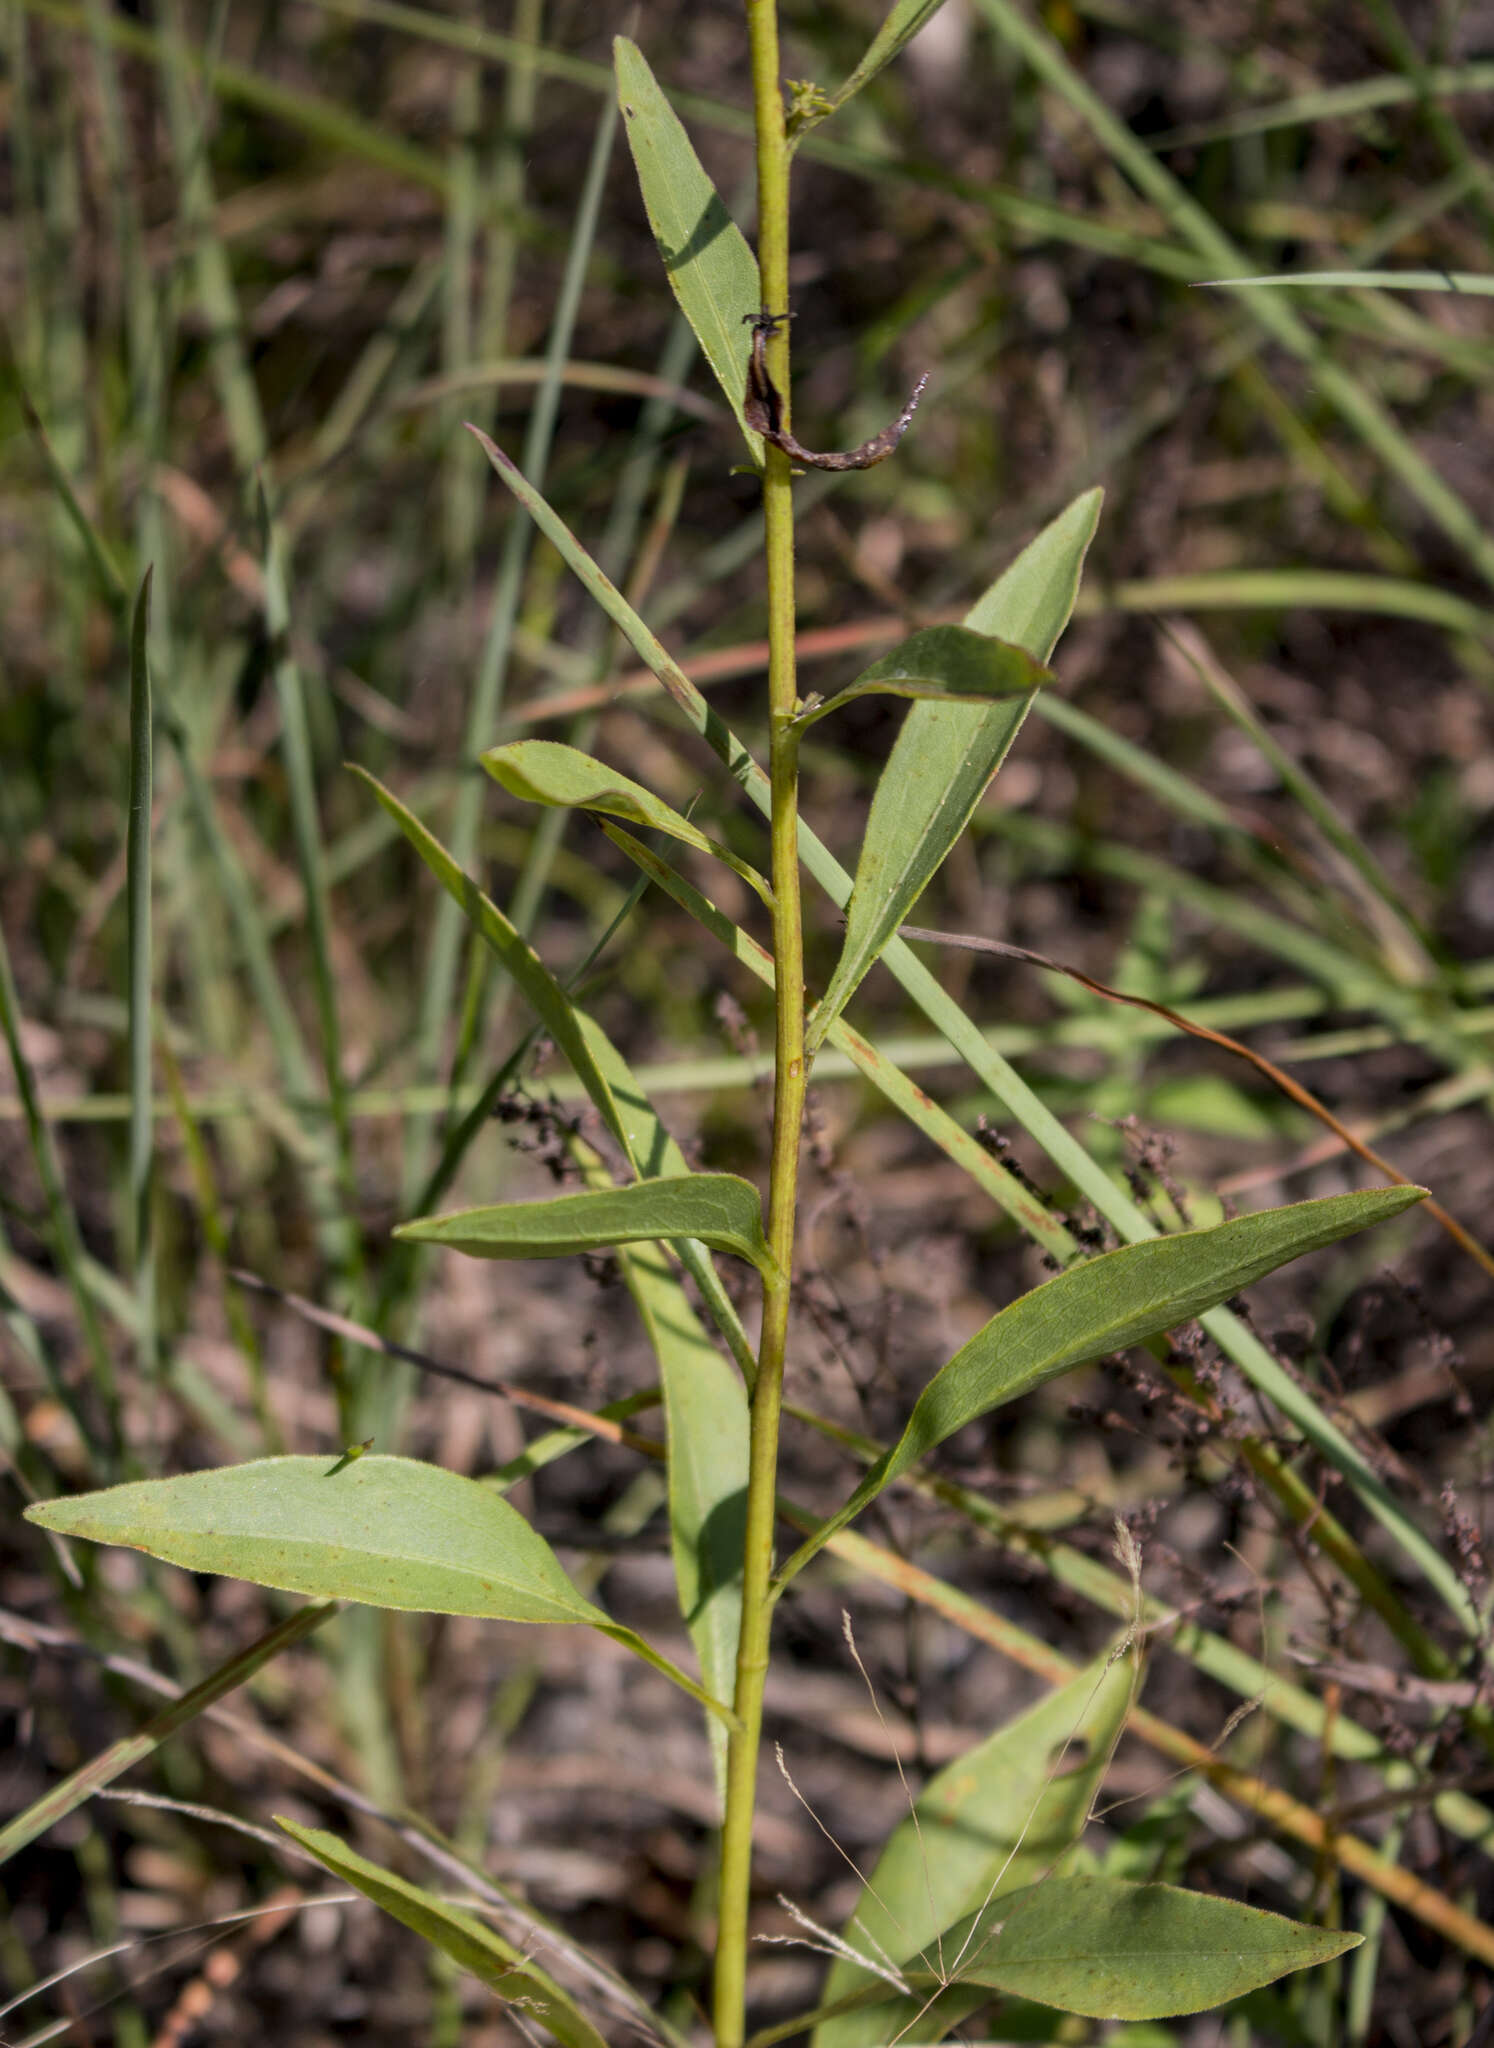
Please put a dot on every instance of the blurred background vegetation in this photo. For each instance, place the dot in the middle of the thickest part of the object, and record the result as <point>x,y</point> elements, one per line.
<point>258,264</point>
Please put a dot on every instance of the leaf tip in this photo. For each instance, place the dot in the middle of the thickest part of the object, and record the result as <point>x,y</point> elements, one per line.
<point>489,446</point>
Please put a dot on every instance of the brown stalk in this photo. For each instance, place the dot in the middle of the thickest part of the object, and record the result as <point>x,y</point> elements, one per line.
<point>359,1333</point>
<point>1294,1090</point>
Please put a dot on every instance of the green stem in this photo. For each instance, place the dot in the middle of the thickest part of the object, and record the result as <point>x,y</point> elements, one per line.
<point>789,1076</point>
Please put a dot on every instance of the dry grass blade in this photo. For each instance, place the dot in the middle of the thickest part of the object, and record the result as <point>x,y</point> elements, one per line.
<point>103,1769</point>
<point>369,1340</point>
<point>1293,1090</point>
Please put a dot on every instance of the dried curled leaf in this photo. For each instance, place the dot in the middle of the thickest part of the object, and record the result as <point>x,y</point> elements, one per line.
<point>762,409</point>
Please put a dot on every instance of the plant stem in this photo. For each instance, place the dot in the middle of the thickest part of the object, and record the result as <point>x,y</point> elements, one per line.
<point>789,1076</point>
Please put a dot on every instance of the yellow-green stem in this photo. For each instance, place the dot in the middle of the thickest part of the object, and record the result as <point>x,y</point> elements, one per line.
<point>735,1892</point>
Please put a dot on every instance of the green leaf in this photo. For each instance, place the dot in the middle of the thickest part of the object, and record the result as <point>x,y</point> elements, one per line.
<point>1029,604</point>
<point>1102,1306</point>
<point>704,1403</point>
<point>628,1114</point>
<point>389,1532</point>
<point>945,663</point>
<point>720,1209</point>
<point>534,980</point>
<point>467,1940</point>
<point>901,25</point>
<point>653,1154</point>
<point>926,795</point>
<point>1032,599</point>
<point>1112,1950</point>
<point>992,1822</point>
<point>947,753</point>
<point>711,270</point>
<point>547,772</point>
<point>705,1410</point>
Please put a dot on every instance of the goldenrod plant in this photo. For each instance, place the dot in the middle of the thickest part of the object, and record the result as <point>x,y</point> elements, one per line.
<point>991,1892</point>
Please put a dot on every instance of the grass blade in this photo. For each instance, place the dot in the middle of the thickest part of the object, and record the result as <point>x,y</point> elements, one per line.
<point>300,774</point>
<point>138,893</point>
<point>470,1944</point>
<point>705,1414</point>
<point>103,1769</point>
<point>1335,103</point>
<point>542,990</point>
<point>705,1411</point>
<point>1468,283</point>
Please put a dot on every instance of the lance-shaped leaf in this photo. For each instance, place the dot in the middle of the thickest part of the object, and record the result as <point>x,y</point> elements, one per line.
<point>1119,1299</point>
<point>550,1002</point>
<point>720,1209</point>
<point>991,1823</point>
<point>711,270</point>
<point>1033,598</point>
<point>946,754</point>
<point>469,1943</point>
<point>704,1402</point>
<point>628,1115</point>
<point>901,25</point>
<point>944,663</point>
<point>548,772</point>
<point>1112,1950</point>
<point>925,797</point>
<point>705,1408</point>
<point>389,1532</point>
<point>1030,604</point>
